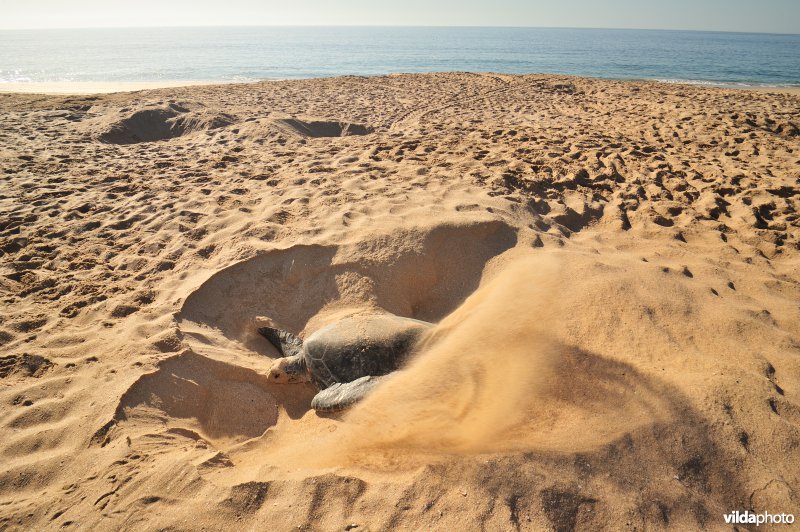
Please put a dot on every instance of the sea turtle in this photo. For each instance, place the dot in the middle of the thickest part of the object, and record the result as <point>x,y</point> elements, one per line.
<point>346,359</point>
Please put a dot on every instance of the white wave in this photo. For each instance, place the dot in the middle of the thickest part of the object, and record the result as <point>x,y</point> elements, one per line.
<point>728,84</point>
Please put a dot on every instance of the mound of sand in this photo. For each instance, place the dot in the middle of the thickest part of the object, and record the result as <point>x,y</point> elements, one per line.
<point>161,122</point>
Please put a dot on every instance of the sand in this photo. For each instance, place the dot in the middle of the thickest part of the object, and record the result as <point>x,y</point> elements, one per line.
<point>613,269</point>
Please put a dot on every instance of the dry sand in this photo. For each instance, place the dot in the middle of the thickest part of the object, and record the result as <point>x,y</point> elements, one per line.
<point>613,267</point>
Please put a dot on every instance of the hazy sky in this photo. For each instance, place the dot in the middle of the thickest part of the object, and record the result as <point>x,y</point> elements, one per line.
<point>782,16</point>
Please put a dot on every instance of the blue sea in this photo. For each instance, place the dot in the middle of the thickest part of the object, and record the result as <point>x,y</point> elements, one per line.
<point>257,53</point>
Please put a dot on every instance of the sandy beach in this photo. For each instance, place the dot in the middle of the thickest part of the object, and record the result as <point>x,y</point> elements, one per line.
<point>613,269</point>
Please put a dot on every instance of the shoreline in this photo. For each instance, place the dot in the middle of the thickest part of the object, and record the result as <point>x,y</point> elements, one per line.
<point>101,87</point>
<point>783,89</point>
<point>97,87</point>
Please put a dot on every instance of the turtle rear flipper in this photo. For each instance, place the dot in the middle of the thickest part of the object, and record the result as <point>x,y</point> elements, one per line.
<point>341,395</point>
<point>287,344</point>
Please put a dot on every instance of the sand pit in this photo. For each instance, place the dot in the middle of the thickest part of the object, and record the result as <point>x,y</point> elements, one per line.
<point>612,269</point>
<point>226,405</point>
<point>320,128</point>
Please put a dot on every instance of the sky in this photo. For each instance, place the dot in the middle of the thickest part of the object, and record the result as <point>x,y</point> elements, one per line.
<point>772,16</point>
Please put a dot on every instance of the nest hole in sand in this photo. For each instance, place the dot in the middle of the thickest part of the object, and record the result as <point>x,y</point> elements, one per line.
<point>321,128</point>
<point>220,401</point>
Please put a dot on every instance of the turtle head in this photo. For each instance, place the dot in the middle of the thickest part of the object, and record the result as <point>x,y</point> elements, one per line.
<point>289,370</point>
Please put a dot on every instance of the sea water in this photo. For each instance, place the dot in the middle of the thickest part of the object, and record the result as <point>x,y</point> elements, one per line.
<point>255,53</point>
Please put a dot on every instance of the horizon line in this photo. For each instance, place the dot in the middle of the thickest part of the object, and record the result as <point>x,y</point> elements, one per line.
<point>433,26</point>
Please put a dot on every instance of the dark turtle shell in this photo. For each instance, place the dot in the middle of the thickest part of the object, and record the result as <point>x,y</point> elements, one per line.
<point>361,346</point>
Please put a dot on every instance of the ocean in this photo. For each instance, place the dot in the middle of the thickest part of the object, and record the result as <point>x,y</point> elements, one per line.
<point>257,53</point>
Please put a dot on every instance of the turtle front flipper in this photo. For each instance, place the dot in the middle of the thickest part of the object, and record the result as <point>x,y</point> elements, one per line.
<point>342,395</point>
<point>287,344</point>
